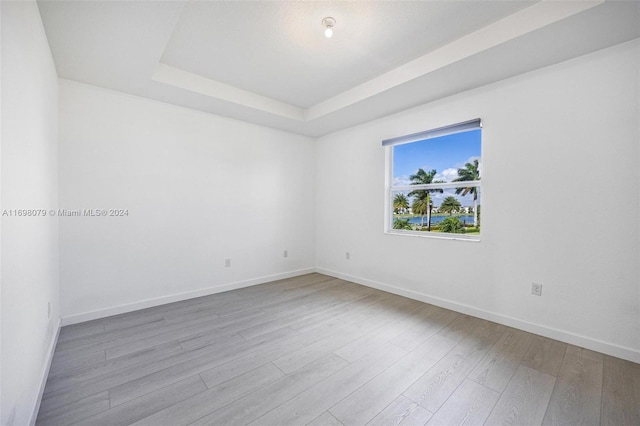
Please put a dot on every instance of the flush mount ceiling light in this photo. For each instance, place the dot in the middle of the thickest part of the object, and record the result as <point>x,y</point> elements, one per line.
<point>328,24</point>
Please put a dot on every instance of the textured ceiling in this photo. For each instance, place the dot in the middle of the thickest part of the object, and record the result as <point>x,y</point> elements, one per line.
<point>269,63</point>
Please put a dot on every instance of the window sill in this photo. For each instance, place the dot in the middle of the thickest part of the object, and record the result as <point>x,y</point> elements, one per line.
<point>438,236</point>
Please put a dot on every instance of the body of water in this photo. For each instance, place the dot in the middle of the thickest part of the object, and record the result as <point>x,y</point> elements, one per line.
<point>437,219</point>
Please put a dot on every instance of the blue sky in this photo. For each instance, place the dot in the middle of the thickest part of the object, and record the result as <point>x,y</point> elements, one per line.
<point>446,154</point>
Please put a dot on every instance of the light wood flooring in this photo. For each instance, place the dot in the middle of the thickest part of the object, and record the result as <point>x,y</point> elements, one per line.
<point>315,350</point>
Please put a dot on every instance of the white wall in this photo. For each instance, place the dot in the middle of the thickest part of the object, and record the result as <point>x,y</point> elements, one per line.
<point>560,145</point>
<point>560,203</point>
<point>29,181</point>
<point>199,188</point>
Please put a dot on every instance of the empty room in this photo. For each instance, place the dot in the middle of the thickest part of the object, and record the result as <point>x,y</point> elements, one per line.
<point>320,212</point>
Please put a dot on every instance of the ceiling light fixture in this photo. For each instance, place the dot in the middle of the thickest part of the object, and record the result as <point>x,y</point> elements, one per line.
<point>328,24</point>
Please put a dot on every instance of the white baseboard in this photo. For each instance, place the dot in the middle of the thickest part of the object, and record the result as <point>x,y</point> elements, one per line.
<point>148,303</point>
<point>44,374</point>
<point>542,330</point>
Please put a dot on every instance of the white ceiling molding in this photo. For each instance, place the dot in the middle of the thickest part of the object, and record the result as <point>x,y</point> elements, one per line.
<point>227,58</point>
<point>530,19</point>
<point>215,89</point>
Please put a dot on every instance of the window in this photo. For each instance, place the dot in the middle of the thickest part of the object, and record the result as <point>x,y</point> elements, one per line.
<point>433,182</point>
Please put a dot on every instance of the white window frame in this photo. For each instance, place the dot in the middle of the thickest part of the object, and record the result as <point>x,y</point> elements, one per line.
<point>388,145</point>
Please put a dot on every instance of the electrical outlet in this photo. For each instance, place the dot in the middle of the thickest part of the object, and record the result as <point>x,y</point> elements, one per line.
<point>348,256</point>
<point>536,289</point>
<point>286,253</point>
<point>227,263</point>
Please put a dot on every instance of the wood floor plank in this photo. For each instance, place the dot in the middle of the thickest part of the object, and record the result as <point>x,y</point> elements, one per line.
<point>469,405</point>
<point>367,316</point>
<point>178,331</point>
<point>459,327</point>
<point>282,302</point>
<point>620,392</point>
<point>359,307</point>
<point>500,363</point>
<point>202,313</point>
<point>295,360</point>
<point>280,351</point>
<point>366,402</point>
<point>79,375</point>
<point>287,298</point>
<point>396,325</point>
<point>203,338</point>
<point>350,329</point>
<point>423,330</point>
<point>236,300</point>
<point>101,340</point>
<point>82,356</point>
<point>262,401</point>
<point>577,394</point>
<point>322,351</point>
<point>96,385</point>
<point>81,409</point>
<point>401,412</point>
<point>200,405</point>
<point>75,331</point>
<point>305,310</point>
<point>584,353</point>
<point>122,341</point>
<point>147,405</point>
<point>436,386</point>
<point>64,365</point>
<point>142,316</point>
<point>174,373</point>
<point>325,419</point>
<point>309,404</point>
<point>525,399</point>
<point>277,316</point>
<point>545,355</point>
<point>222,310</point>
<point>246,362</point>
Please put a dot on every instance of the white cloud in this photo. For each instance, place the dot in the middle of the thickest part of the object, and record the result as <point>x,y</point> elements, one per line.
<point>401,181</point>
<point>437,197</point>
<point>450,174</point>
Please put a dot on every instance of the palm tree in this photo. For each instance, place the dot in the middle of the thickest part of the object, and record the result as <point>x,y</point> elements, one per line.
<point>470,172</point>
<point>422,196</point>
<point>421,206</point>
<point>400,203</point>
<point>450,205</point>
